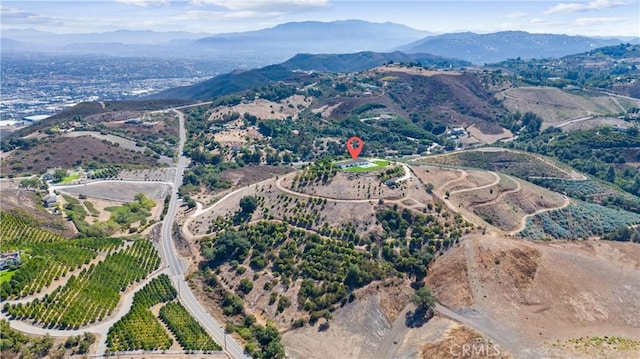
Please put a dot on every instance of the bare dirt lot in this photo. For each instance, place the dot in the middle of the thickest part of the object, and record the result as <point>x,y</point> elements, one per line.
<point>593,123</point>
<point>155,174</point>
<point>120,191</point>
<point>556,106</point>
<point>358,330</point>
<point>477,137</point>
<point>543,293</point>
<point>251,174</point>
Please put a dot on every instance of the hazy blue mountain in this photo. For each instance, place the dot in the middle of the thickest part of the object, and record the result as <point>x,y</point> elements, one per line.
<point>500,46</point>
<point>317,37</point>
<point>364,60</point>
<point>118,36</point>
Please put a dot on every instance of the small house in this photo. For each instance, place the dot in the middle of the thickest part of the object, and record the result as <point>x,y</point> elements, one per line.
<point>9,259</point>
<point>352,163</point>
<point>50,200</point>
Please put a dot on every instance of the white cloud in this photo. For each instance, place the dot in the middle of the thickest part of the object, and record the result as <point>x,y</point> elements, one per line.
<point>593,5</point>
<point>144,3</point>
<point>15,16</point>
<point>265,5</point>
<point>225,15</point>
<point>589,21</point>
<point>517,15</point>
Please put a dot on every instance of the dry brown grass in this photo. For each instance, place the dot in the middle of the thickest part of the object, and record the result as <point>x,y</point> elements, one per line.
<point>448,277</point>
<point>456,340</point>
<point>66,152</point>
<point>265,109</point>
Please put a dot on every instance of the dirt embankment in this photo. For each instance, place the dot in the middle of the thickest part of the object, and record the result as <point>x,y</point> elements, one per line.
<point>357,330</point>
<point>543,293</point>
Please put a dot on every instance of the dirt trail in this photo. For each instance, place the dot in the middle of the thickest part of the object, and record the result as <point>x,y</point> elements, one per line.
<point>523,221</point>
<point>573,175</point>
<point>466,214</point>
<point>495,182</point>
<point>388,347</point>
<point>501,195</point>
<point>463,175</point>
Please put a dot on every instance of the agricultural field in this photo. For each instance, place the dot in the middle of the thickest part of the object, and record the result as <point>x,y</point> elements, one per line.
<point>94,293</point>
<point>516,163</point>
<point>45,256</point>
<point>325,180</point>
<point>187,330</point>
<point>592,190</point>
<point>140,329</point>
<point>580,220</point>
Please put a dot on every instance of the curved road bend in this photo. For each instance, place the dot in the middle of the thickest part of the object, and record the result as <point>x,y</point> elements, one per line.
<point>177,269</point>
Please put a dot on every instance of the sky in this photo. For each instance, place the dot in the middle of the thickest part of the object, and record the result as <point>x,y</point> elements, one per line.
<point>591,17</point>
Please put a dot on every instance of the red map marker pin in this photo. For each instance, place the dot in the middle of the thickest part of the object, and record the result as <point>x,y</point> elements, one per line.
<point>355,152</point>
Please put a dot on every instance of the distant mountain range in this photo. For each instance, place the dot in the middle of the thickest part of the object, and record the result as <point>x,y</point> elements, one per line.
<point>119,36</point>
<point>499,46</point>
<point>317,37</point>
<point>279,43</point>
<point>239,81</point>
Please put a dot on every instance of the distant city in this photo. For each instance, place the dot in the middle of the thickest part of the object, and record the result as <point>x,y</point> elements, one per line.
<point>35,86</point>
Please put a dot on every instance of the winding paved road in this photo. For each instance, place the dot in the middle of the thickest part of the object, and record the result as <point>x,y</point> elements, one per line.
<point>177,269</point>
<point>174,268</point>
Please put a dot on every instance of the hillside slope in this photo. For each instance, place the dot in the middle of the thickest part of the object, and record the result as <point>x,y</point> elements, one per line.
<point>499,46</point>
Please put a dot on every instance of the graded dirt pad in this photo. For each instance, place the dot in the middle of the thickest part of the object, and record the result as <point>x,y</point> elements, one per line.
<point>67,152</point>
<point>593,123</point>
<point>531,198</point>
<point>155,174</point>
<point>251,174</point>
<point>477,137</point>
<point>544,292</point>
<point>556,106</point>
<point>120,191</point>
<point>437,176</point>
<point>326,110</point>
